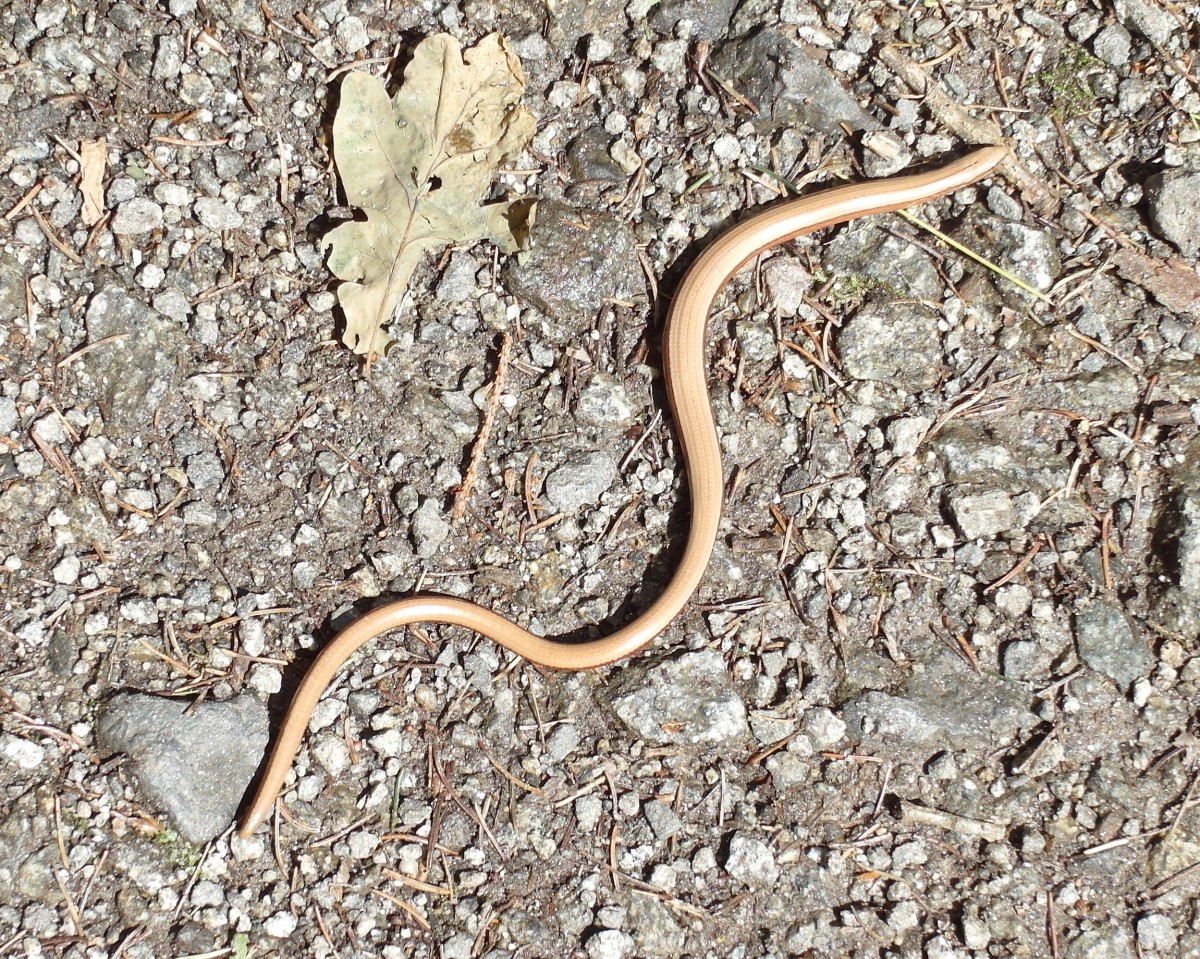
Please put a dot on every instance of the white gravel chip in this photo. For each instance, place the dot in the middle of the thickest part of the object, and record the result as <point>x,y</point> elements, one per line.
<point>29,463</point>
<point>580,481</point>
<point>207,893</point>
<point>458,947</point>
<point>9,419</point>
<point>281,925</point>
<point>216,214</point>
<point>976,934</point>
<point>909,855</point>
<point>51,429</point>
<point>824,727</point>
<point>67,571</point>
<point>788,770</point>
<point>604,402</point>
<point>905,434</point>
<point>333,754</point>
<point>787,282</point>
<point>1014,600</point>
<point>139,610</point>
<point>151,276</point>
<point>610,944</point>
<point>352,35</point>
<point>304,574</point>
<point>172,194</point>
<point>429,529</point>
<point>751,861</point>
<point>363,844</point>
<point>587,812</point>
<point>704,861</point>
<point>980,515</point>
<point>687,699</point>
<point>390,742</point>
<point>325,714</point>
<point>599,49</point>
<point>1154,931</point>
<point>137,216</point>
<point>561,742</point>
<point>265,679</point>
<point>904,916</point>
<point>22,752</point>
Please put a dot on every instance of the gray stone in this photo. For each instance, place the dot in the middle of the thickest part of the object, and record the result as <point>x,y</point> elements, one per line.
<point>137,216</point>
<point>561,742</point>
<point>136,371</point>
<point>575,262</point>
<point>352,35</point>
<point>1084,25</point>
<point>9,420</point>
<point>709,18</point>
<point>1113,45</point>
<point>1024,660</point>
<point>687,699</point>
<point>1154,931</point>
<point>216,214</point>
<point>786,282</point>
<point>899,345</point>
<point>588,160</point>
<point>751,861</point>
<point>944,704</point>
<point>787,87</point>
<point>662,818</point>
<point>870,256</point>
<point>1106,942</point>
<point>429,529</point>
<point>194,762</point>
<point>1148,19</point>
<point>603,402</point>
<point>1188,551</point>
<point>1109,392</point>
<point>880,714</point>
<point>168,58</point>
<point>610,944</point>
<point>580,481</point>
<point>981,515</point>
<point>205,470</point>
<point>1029,253</point>
<point>1108,644</point>
<point>1173,202</point>
<point>654,928</point>
<point>457,283</point>
<point>1004,205</point>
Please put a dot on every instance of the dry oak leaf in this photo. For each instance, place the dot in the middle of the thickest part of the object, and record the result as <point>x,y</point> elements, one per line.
<point>419,165</point>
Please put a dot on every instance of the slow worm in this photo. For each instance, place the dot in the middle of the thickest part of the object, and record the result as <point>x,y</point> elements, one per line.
<point>687,390</point>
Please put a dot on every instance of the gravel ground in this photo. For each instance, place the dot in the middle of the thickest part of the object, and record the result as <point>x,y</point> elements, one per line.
<point>934,697</point>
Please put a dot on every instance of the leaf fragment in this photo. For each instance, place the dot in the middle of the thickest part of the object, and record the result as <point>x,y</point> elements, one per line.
<point>93,158</point>
<point>419,165</point>
<point>1172,282</point>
